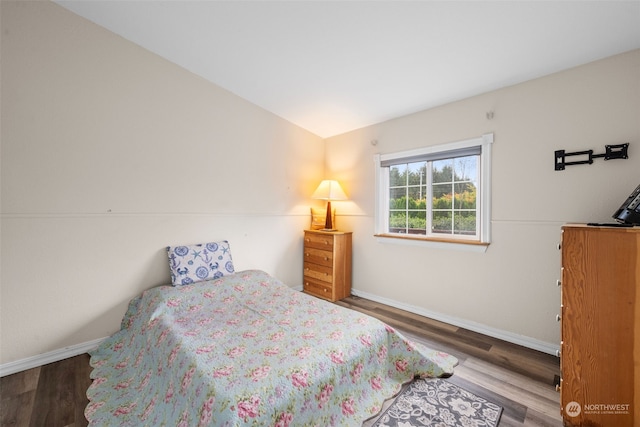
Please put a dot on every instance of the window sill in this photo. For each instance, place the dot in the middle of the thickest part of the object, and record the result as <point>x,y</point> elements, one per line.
<point>431,242</point>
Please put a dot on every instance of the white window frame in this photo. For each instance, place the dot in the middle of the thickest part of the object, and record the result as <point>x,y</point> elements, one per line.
<point>479,243</point>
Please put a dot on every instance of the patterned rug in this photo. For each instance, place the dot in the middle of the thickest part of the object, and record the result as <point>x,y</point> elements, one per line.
<point>436,402</point>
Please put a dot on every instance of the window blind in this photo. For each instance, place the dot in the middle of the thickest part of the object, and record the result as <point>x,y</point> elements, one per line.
<point>438,155</point>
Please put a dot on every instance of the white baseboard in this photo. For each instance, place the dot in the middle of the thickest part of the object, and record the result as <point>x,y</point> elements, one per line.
<point>49,357</point>
<point>532,343</point>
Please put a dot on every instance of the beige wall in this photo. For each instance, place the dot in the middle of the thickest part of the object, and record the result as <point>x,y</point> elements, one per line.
<point>511,289</point>
<point>109,154</point>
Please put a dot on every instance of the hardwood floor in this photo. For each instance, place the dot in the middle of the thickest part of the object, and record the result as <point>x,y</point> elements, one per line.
<point>52,395</point>
<point>521,380</point>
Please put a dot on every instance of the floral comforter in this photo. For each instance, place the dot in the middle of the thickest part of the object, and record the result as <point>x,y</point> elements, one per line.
<point>246,350</point>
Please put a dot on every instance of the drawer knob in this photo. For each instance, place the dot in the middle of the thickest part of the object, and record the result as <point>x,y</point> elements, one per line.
<point>559,246</point>
<point>326,258</point>
<point>557,353</point>
<point>558,388</point>
<point>558,318</point>
<point>558,282</point>
<point>326,243</point>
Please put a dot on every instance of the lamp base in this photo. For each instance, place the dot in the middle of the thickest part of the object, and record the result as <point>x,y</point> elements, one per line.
<point>328,224</point>
<point>328,229</point>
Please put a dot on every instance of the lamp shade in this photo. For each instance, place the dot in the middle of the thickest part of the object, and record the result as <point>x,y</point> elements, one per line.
<point>329,190</point>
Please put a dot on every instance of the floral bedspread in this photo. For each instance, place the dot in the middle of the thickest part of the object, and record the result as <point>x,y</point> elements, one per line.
<point>246,350</point>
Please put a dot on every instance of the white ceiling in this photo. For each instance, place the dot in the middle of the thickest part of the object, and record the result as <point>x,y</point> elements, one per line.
<point>334,66</point>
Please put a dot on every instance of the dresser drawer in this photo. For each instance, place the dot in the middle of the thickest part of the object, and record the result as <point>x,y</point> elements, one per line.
<point>318,272</point>
<point>318,241</point>
<point>319,289</point>
<point>318,256</point>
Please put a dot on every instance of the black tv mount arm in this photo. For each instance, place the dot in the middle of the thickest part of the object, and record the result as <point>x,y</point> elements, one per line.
<point>618,151</point>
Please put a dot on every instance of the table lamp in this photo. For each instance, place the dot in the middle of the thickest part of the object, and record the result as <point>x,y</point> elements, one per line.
<point>329,190</point>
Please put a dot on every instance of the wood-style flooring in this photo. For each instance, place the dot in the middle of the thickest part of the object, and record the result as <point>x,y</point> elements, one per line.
<point>521,380</point>
<point>52,395</point>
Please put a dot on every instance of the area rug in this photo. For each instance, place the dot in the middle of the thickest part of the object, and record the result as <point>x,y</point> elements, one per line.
<point>436,402</point>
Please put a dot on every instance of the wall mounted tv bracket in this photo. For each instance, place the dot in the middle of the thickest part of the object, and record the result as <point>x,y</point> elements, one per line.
<point>618,151</point>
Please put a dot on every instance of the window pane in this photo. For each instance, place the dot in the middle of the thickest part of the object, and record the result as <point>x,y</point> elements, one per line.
<point>418,222</point>
<point>417,173</point>
<point>465,223</point>
<point>442,196</point>
<point>442,170</point>
<point>441,222</point>
<point>397,222</point>
<point>397,198</point>
<point>398,175</point>
<point>417,197</point>
<point>465,195</point>
<point>466,168</point>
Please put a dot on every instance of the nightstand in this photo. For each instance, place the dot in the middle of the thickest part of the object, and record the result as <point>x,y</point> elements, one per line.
<point>327,264</point>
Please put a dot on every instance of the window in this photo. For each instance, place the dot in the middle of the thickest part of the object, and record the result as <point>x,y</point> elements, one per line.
<point>438,193</point>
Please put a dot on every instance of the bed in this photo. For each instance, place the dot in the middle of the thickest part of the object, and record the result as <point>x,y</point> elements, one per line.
<point>243,349</point>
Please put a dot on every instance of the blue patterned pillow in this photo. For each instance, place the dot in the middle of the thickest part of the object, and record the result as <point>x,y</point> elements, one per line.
<point>195,263</point>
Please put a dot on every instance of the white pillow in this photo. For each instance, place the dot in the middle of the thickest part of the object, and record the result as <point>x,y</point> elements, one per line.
<point>196,263</point>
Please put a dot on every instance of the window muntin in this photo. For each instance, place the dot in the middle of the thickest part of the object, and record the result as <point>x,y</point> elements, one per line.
<point>439,192</point>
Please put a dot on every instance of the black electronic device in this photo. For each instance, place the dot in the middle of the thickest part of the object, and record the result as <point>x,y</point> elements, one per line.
<point>629,211</point>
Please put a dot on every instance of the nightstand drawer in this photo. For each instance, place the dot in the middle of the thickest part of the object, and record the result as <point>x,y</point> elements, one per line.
<point>317,288</point>
<point>318,241</point>
<point>318,256</point>
<point>318,272</point>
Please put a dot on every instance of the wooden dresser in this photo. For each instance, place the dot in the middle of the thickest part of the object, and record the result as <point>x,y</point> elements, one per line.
<point>327,264</point>
<point>600,315</point>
